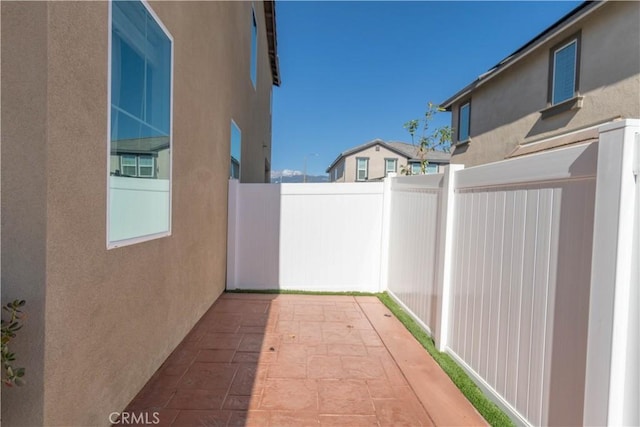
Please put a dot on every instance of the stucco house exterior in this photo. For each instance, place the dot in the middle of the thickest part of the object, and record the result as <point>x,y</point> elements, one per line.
<point>579,73</point>
<point>120,124</point>
<point>374,160</point>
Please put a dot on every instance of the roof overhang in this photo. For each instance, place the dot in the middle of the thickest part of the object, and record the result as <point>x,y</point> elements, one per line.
<point>563,23</point>
<point>272,39</point>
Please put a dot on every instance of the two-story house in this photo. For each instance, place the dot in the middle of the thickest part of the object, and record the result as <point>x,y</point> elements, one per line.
<point>582,71</point>
<point>122,122</point>
<point>374,160</point>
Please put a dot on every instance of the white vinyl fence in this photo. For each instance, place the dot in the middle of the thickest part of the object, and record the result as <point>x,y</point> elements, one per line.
<point>319,237</point>
<point>525,271</point>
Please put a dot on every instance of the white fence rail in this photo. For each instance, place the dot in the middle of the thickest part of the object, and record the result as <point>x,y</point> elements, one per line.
<point>525,271</point>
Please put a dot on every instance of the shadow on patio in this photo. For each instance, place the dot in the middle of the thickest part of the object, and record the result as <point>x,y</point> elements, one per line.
<point>280,360</point>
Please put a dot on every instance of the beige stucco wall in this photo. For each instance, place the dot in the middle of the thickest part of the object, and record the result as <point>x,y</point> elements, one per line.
<point>112,316</point>
<point>506,110</point>
<point>24,198</point>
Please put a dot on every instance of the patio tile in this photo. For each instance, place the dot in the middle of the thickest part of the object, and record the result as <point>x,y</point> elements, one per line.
<point>209,376</point>
<point>294,419</point>
<point>344,397</point>
<point>362,367</point>
<point>287,327</point>
<point>252,329</point>
<point>202,418</point>
<point>310,332</point>
<point>287,370</point>
<point>381,389</point>
<point>152,397</point>
<point>292,353</point>
<point>327,367</point>
<point>253,319</point>
<point>297,360</point>
<point>290,395</point>
<point>346,350</point>
<point>165,417</point>
<point>396,413</point>
<point>241,306</point>
<point>348,420</point>
<point>196,399</point>
<point>219,356</point>
<point>249,419</point>
<point>251,342</point>
<point>220,341</point>
<point>371,338</point>
<point>246,357</point>
<point>246,381</point>
<point>342,336</point>
<point>241,403</point>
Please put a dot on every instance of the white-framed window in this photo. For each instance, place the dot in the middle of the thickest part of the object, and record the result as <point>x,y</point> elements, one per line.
<point>140,85</point>
<point>254,47</point>
<point>416,168</point>
<point>464,116</point>
<point>564,72</point>
<point>432,168</point>
<point>128,165</point>
<point>362,168</point>
<point>137,165</point>
<point>145,166</point>
<point>390,166</point>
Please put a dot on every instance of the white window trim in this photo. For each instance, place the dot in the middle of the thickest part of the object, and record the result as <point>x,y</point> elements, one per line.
<point>366,169</point>
<point>555,69</point>
<point>152,166</point>
<point>386,166</point>
<point>140,239</point>
<point>134,165</point>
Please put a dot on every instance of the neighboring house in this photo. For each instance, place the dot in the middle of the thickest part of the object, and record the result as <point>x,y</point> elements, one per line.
<point>374,160</point>
<point>121,122</point>
<point>582,71</point>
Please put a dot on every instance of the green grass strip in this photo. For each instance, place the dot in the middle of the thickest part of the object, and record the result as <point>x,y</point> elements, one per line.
<point>489,410</point>
<point>286,291</point>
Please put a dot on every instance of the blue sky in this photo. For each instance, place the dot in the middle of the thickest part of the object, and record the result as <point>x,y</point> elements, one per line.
<point>355,71</point>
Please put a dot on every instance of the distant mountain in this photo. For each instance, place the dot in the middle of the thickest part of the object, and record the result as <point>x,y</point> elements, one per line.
<point>291,176</point>
<point>285,173</point>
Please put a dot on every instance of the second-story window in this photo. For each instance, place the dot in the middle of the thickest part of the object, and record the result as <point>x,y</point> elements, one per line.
<point>390,166</point>
<point>416,168</point>
<point>564,71</point>
<point>254,48</point>
<point>362,169</point>
<point>464,116</point>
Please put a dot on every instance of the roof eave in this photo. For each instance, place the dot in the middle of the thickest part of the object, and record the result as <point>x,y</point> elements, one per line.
<point>272,39</point>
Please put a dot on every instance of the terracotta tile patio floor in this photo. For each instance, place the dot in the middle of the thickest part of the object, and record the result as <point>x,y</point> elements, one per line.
<point>302,360</point>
